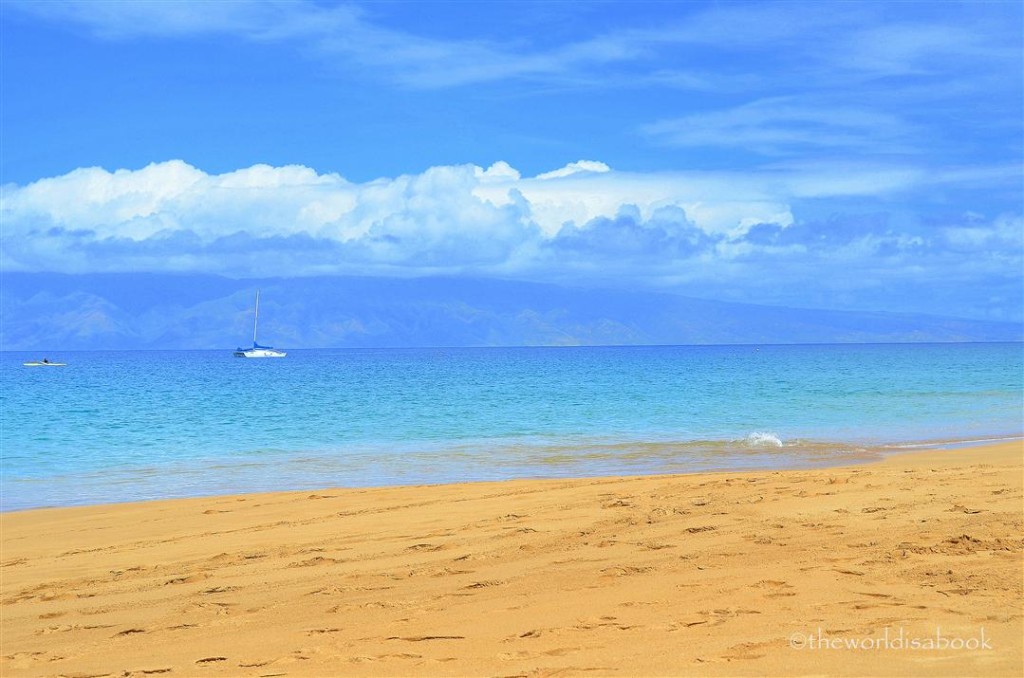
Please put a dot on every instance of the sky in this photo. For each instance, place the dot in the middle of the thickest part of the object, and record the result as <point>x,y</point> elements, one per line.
<point>839,155</point>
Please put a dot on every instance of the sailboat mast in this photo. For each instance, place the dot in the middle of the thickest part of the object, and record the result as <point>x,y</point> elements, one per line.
<point>256,319</point>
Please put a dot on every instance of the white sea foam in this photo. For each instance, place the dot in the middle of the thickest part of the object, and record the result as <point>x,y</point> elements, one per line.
<point>952,443</point>
<point>763,439</point>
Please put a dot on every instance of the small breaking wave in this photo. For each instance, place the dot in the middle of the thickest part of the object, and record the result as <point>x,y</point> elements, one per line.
<point>762,439</point>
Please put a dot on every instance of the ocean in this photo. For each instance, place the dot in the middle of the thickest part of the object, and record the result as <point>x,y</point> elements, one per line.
<point>117,426</point>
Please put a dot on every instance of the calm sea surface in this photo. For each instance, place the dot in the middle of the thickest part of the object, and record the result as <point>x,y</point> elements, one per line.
<point>121,426</point>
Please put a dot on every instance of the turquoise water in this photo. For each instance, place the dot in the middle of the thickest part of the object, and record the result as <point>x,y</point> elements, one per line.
<point>122,426</point>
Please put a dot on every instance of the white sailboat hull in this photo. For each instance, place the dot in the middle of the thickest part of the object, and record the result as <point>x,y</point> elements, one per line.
<point>260,353</point>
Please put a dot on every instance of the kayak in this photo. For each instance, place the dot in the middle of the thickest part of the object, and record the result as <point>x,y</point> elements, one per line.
<point>40,363</point>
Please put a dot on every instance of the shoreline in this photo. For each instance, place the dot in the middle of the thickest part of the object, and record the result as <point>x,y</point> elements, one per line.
<point>857,454</point>
<point>711,573</point>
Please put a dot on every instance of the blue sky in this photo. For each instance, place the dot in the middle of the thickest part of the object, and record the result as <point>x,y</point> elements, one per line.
<point>834,154</point>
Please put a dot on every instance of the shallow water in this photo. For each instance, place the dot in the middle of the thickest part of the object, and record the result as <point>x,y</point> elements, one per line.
<point>121,426</point>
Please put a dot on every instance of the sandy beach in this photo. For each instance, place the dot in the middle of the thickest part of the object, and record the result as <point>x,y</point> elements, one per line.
<point>752,573</point>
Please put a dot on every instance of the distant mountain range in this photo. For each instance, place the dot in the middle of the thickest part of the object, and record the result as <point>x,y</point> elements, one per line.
<point>45,311</point>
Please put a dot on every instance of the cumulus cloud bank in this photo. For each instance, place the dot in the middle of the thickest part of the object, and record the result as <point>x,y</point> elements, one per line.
<point>585,222</point>
<point>275,220</point>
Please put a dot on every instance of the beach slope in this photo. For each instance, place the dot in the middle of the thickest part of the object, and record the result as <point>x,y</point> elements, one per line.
<point>754,573</point>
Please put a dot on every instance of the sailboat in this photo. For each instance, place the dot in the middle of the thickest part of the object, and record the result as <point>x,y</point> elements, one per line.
<point>258,351</point>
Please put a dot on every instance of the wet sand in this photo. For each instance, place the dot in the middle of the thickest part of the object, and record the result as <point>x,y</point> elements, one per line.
<point>712,574</point>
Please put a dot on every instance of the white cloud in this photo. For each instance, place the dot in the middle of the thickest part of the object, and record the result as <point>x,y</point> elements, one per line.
<point>448,202</point>
<point>92,197</point>
<point>499,171</point>
<point>582,220</point>
<point>576,168</point>
<point>586,190</point>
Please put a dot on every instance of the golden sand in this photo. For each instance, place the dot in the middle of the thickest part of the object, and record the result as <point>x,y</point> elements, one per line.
<point>711,574</point>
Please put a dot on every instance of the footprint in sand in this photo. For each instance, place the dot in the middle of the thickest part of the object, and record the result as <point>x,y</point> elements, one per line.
<point>621,571</point>
<point>316,561</point>
<point>702,528</point>
<point>187,579</point>
<point>745,651</point>
<point>775,588</point>
<point>24,660</point>
<point>425,547</point>
<point>129,632</point>
<point>483,584</point>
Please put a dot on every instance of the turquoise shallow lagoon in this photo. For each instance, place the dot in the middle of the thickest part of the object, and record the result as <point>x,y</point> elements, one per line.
<point>125,426</point>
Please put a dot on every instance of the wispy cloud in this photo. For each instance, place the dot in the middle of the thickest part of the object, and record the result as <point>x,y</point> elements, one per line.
<point>268,20</point>
<point>818,42</point>
<point>924,47</point>
<point>784,125</point>
<point>342,34</point>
